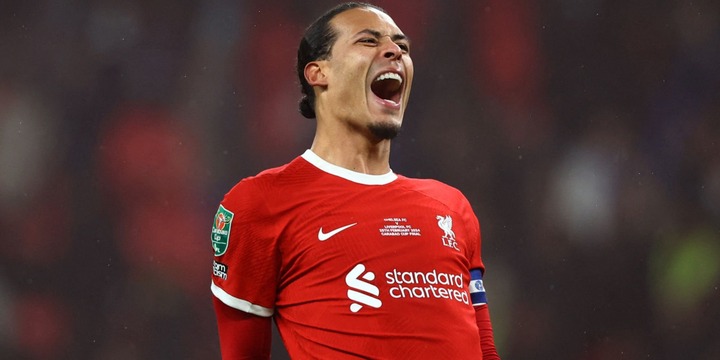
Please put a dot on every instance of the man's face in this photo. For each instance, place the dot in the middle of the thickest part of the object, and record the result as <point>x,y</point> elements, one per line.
<point>369,72</point>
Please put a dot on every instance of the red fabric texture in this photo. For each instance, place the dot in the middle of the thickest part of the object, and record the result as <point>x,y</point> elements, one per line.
<point>243,336</point>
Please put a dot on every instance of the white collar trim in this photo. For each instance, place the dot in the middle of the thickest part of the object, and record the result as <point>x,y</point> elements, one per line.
<point>360,178</point>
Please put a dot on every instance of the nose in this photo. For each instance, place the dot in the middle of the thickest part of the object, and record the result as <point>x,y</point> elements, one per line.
<point>392,54</point>
<point>391,50</point>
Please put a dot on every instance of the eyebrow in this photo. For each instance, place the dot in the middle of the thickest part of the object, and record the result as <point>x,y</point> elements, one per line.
<point>377,34</point>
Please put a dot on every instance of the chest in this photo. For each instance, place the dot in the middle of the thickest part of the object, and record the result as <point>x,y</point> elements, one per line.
<point>384,229</point>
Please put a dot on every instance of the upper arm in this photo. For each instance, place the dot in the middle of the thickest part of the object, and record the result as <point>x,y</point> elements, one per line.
<point>244,271</point>
<point>245,239</point>
<point>242,335</point>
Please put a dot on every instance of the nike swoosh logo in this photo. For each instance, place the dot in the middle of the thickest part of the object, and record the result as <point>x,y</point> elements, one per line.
<point>324,236</point>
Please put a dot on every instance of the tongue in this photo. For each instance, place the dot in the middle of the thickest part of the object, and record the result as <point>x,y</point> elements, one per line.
<point>385,89</point>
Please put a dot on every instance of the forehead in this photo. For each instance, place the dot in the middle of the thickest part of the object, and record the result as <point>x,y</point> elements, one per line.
<point>352,21</point>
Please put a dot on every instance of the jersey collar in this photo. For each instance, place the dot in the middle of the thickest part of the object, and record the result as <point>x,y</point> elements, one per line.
<point>344,173</point>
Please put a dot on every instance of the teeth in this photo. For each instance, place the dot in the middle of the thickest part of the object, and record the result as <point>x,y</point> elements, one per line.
<point>389,75</point>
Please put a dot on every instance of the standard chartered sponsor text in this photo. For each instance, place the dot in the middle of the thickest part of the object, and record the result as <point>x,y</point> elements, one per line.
<point>424,285</point>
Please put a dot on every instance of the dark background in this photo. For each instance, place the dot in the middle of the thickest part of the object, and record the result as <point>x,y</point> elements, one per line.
<point>584,133</point>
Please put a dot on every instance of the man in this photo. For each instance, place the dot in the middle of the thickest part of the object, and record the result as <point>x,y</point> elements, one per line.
<point>351,260</point>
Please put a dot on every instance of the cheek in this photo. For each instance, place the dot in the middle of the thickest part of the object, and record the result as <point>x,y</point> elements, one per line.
<point>349,84</point>
<point>409,80</point>
<point>352,86</point>
<point>409,70</point>
<point>353,74</point>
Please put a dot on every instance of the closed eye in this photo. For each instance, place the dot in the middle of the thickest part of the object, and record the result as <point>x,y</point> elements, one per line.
<point>371,41</point>
<point>372,38</point>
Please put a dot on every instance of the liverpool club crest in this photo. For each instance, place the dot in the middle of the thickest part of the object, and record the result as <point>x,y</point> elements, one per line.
<point>445,224</point>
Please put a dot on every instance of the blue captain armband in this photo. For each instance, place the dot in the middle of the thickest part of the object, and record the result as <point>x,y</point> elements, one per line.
<point>477,290</point>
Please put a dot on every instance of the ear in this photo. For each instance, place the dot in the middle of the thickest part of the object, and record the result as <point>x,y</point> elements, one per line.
<point>315,73</point>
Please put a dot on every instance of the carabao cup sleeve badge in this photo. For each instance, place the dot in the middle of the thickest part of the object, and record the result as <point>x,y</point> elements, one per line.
<point>220,235</point>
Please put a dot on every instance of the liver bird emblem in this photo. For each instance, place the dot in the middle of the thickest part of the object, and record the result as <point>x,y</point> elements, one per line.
<point>445,223</point>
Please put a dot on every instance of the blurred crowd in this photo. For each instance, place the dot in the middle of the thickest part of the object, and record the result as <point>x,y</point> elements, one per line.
<point>586,134</point>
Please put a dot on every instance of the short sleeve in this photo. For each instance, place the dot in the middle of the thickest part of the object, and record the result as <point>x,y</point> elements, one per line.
<point>472,226</point>
<point>244,242</point>
<point>477,268</point>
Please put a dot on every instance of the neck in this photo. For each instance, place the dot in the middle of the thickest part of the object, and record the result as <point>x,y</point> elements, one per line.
<point>353,151</point>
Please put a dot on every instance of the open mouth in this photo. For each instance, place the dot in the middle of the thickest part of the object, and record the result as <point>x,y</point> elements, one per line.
<point>388,86</point>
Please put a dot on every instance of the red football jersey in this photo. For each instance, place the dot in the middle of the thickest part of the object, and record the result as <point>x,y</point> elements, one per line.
<point>351,265</point>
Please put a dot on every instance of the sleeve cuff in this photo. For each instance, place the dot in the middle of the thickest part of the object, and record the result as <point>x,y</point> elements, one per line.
<point>240,304</point>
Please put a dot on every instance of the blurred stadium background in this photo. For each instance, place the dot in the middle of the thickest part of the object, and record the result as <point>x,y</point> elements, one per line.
<point>585,133</point>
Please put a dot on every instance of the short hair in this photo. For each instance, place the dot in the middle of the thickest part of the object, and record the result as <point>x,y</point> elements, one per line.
<point>316,44</point>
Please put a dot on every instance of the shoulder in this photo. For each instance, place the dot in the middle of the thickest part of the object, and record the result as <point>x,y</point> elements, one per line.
<point>446,197</point>
<point>434,189</point>
<point>249,185</point>
<point>448,201</point>
<point>255,191</point>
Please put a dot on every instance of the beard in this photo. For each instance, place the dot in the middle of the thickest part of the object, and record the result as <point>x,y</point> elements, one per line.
<point>384,131</point>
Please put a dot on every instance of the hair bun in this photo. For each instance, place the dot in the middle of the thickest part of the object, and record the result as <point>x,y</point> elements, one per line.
<point>306,109</point>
